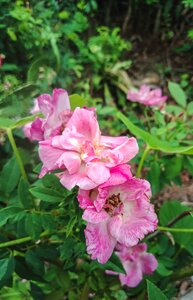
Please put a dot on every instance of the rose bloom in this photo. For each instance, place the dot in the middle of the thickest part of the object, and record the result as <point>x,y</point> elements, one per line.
<point>147,96</point>
<point>56,112</point>
<point>117,211</point>
<point>83,155</point>
<point>136,262</point>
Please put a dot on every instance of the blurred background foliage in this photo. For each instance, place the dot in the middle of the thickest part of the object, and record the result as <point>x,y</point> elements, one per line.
<point>98,49</point>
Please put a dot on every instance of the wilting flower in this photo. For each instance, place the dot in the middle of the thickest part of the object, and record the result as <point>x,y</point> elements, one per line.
<point>147,96</point>
<point>116,212</point>
<point>56,112</point>
<point>84,156</point>
<point>136,262</point>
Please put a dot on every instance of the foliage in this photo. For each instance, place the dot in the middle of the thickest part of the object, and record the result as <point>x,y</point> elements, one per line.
<point>74,45</point>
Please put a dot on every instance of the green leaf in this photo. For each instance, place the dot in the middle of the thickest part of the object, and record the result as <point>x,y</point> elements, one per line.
<point>9,67</point>
<point>33,225</point>
<point>46,194</point>
<point>190,108</point>
<point>52,181</point>
<point>77,101</point>
<point>48,222</point>
<point>188,164</point>
<point>9,212</point>
<point>23,193</point>
<point>11,33</point>
<point>152,141</point>
<point>67,248</point>
<point>168,212</point>
<point>6,123</point>
<point>34,262</point>
<point>154,176</point>
<point>114,264</point>
<point>55,49</point>
<point>36,292</point>
<point>174,109</point>
<point>70,225</point>
<point>22,90</point>
<point>177,93</point>
<point>10,175</point>
<point>154,293</point>
<point>23,121</point>
<point>173,168</point>
<point>33,72</point>
<point>6,268</point>
<point>162,270</point>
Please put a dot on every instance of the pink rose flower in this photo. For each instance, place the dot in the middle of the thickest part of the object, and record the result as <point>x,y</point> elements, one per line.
<point>136,262</point>
<point>56,112</point>
<point>117,211</point>
<point>147,96</point>
<point>84,156</point>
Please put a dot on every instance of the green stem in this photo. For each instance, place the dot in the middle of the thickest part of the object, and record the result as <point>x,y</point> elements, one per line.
<point>28,239</point>
<point>85,292</point>
<point>185,272</point>
<point>178,252</point>
<point>187,230</point>
<point>147,119</point>
<point>147,148</point>
<point>15,242</point>
<point>16,152</point>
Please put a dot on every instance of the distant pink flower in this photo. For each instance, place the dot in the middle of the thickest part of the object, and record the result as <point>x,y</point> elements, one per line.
<point>147,96</point>
<point>116,212</point>
<point>83,155</point>
<point>56,112</point>
<point>2,57</point>
<point>136,262</point>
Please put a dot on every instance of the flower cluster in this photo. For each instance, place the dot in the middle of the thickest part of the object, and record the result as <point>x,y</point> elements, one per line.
<point>115,204</point>
<point>147,96</point>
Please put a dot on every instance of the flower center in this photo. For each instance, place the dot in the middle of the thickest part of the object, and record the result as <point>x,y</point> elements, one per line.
<point>112,203</point>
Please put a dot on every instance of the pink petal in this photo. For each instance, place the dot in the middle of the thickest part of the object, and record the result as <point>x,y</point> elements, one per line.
<point>49,155</point>
<point>92,216</point>
<point>60,100</point>
<point>70,181</point>
<point>83,199</point>
<point>86,124</point>
<point>71,160</point>
<point>44,102</point>
<point>35,109</point>
<point>69,140</point>
<point>119,149</point>
<point>126,151</point>
<point>148,263</point>
<point>36,130</point>
<point>99,243</point>
<point>114,226</point>
<point>27,130</point>
<point>133,277</point>
<point>144,89</point>
<point>97,172</point>
<point>118,175</point>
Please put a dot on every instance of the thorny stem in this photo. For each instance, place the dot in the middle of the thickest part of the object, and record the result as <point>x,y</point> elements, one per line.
<point>16,152</point>
<point>147,148</point>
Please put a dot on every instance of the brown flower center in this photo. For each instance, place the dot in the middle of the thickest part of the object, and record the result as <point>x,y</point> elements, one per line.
<point>112,202</point>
